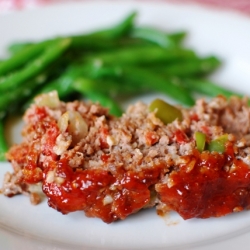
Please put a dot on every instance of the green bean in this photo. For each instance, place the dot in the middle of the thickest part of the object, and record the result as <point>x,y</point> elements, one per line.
<point>83,43</point>
<point>23,95</point>
<point>167,86</point>
<point>11,102</point>
<point>93,89</point>
<point>148,55</point>
<point>207,87</point>
<point>177,37</point>
<point>157,36</point>
<point>3,143</point>
<point>67,77</point>
<point>89,71</point>
<point>36,66</point>
<point>91,80</point>
<point>100,72</point>
<point>103,99</point>
<point>153,35</point>
<point>108,87</point>
<point>89,43</point>
<point>145,79</point>
<point>79,43</point>
<point>191,67</point>
<point>63,85</point>
<point>118,30</point>
<point>22,57</point>
<point>14,48</point>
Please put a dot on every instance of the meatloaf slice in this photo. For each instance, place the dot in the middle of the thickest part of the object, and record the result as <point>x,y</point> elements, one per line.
<point>111,167</point>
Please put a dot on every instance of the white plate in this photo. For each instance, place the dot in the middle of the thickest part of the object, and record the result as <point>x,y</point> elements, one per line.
<point>227,34</point>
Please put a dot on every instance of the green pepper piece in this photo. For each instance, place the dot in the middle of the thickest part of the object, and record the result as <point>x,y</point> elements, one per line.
<point>164,111</point>
<point>200,140</point>
<point>218,144</point>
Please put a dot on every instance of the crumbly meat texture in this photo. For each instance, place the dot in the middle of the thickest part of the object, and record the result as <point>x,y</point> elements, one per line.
<point>121,165</point>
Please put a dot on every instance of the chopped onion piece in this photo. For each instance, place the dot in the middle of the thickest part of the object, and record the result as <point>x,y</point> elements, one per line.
<point>50,100</point>
<point>74,124</point>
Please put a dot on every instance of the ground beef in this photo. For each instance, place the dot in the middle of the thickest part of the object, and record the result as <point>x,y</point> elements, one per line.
<point>86,159</point>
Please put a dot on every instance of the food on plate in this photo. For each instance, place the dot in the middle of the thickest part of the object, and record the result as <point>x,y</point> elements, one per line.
<point>104,66</point>
<point>196,163</point>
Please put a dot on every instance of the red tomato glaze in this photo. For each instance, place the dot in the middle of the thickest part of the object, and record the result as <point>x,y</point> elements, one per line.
<point>217,184</point>
<point>98,192</point>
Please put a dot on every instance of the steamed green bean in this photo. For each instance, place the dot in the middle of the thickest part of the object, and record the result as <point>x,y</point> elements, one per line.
<point>34,67</point>
<point>148,55</point>
<point>192,67</point>
<point>21,57</point>
<point>153,35</point>
<point>208,88</point>
<point>3,143</point>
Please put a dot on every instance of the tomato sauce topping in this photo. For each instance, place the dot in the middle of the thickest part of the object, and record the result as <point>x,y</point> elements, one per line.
<point>98,192</point>
<point>216,185</point>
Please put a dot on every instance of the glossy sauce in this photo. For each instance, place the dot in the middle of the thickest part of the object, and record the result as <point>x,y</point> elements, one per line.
<point>98,192</point>
<point>216,185</point>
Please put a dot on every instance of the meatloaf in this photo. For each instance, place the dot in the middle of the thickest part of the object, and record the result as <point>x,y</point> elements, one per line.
<point>85,159</point>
